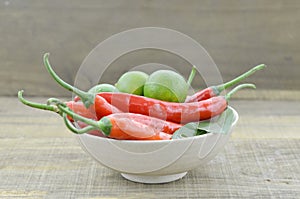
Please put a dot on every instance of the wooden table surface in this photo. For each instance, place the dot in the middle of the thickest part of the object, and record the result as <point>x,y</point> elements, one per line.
<point>40,158</point>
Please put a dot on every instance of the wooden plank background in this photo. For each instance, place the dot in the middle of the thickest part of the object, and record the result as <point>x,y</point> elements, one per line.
<point>237,34</point>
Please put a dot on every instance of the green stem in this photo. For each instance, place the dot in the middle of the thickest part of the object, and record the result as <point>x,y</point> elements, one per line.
<point>191,76</point>
<point>239,87</point>
<point>86,98</point>
<point>57,109</point>
<point>71,127</point>
<point>37,105</point>
<point>66,110</point>
<point>236,80</point>
<point>53,101</point>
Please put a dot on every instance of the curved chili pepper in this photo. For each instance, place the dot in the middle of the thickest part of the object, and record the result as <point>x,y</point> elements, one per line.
<point>116,127</point>
<point>171,111</point>
<point>213,91</point>
<point>158,124</point>
<point>119,128</point>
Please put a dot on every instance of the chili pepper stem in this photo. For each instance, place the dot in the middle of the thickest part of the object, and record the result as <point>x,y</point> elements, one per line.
<point>229,94</point>
<point>53,101</point>
<point>191,76</point>
<point>65,110</point>
<point>86,97</point>
<point>46,107</point>
<point>70,126</point>
<point>218,89</point>
<point>105,126</point>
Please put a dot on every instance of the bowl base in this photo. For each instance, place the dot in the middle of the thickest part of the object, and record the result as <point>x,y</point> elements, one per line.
<point>153,179</point>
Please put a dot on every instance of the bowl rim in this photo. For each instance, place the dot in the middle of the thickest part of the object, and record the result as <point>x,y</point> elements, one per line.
<point>236,115</point>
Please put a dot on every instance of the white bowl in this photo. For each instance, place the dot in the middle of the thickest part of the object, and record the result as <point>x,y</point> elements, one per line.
<point>155,161</point>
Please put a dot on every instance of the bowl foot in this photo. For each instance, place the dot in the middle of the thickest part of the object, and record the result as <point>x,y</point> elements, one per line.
<point>153,179</point>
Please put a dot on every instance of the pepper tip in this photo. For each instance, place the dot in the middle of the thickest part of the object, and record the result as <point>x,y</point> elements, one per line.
<point>20,93</point>
<point>46,54</point>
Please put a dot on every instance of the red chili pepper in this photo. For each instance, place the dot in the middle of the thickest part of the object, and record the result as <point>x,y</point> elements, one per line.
<point>203,95</point>
<point>150,107</point>
<point>79,108</point>
<point>126,129</point>
<point>171,111</point>
<point>158,124</point>
<point>103,108</point>
<point>213,91</point>
<point>114,127</point>
<point>76,99</point>
<point>100,109</point>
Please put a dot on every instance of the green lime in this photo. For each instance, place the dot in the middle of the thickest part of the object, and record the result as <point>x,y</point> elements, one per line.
<point>103,88</point>
<point>132,82</point>
<point>166,85</point>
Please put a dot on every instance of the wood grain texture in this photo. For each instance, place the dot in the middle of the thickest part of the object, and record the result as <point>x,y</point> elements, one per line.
<point>41,159</point>
<point>238,35</point>
<point>58,168</point>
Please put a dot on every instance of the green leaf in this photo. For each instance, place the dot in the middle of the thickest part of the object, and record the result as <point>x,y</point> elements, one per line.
<point>188,130</point>
<point>220,124</point>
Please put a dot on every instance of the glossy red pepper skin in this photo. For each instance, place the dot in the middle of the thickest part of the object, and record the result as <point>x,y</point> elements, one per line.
<point>127,129</point>
<point>158,124</point>
<point>170,111</point>
<point>103,108</point>
<point>204,94</point>
<point>80,109</point>
<point>96,111</point>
